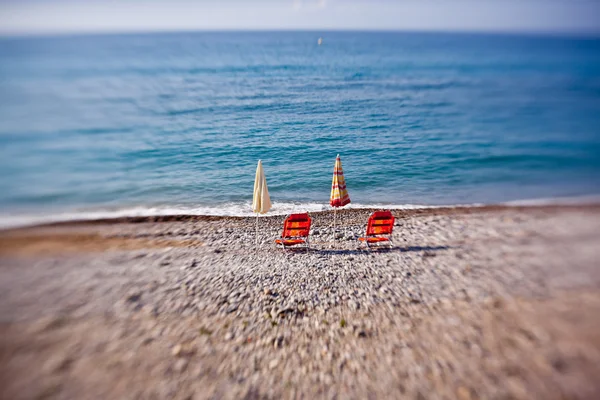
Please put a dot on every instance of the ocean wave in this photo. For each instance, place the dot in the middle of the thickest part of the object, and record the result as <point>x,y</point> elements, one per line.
<point>229,209</point>
<point>244,209</point>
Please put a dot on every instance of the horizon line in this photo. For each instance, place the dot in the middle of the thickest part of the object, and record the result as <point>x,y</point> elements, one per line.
<point>591,33</point>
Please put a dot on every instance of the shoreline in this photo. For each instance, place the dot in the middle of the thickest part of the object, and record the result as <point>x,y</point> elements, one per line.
<point>396,210</point>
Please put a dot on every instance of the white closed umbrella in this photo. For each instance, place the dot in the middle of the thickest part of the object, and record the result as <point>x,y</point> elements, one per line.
<point>261,202</point>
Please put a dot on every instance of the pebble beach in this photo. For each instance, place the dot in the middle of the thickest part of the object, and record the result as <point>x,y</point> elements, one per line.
<point>489,302</point>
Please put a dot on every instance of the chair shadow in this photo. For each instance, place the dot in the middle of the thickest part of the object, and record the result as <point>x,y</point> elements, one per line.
<point>338,251</point>
<point>422,248</point>
<point>381,250</point>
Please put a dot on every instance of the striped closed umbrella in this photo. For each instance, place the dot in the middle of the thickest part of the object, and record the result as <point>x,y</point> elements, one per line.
<point>339,195</point>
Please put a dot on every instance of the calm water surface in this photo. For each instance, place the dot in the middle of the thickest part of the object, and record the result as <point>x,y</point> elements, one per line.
<point>152,123</point>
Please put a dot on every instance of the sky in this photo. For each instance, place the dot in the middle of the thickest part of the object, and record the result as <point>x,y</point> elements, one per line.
<point>27,17</point>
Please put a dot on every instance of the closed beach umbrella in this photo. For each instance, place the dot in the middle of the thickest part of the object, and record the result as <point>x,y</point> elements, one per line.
<point>261,202</point>
<point>339,195</point>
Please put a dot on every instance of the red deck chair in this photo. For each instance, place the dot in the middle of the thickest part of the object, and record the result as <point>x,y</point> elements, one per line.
<point>379,229</point>
<point>296,229</point>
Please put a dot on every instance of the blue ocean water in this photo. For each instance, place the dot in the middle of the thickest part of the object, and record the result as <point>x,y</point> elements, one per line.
<point>171,122</point>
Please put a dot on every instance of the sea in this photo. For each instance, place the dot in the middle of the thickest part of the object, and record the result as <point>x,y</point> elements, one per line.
<point>95,126</point>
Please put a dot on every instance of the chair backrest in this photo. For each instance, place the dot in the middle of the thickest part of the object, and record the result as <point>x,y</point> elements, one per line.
<point>296,225</point>
<point>380,223</point>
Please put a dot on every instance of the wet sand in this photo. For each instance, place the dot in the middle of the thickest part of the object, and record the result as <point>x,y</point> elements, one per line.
<point>491,302</point>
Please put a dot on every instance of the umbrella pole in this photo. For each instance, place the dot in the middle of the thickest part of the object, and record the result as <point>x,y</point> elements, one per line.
<point>256,233</point>
<point>334,223</point>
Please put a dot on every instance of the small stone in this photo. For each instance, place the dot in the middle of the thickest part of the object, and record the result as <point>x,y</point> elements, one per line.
<point>267,292</point>
<point>180,365</point>
<point>204,331</point>
<point>278,342</point>
<point>494,302</point>
<point>134,297</point>
<point>232,308</point>
<point>463,393</point>
<point>559,364</point>
<point>273,364</point>
<point>177,350</point>
<point>49,323</point>
<point>128,355</point>
<point>57,363</point>
<point>151,310</point>
<point>147,340</point>
<point>282,312</point>
<point>228,336</point>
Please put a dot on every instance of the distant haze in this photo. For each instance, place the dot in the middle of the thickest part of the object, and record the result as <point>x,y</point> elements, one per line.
<point>19,17</point>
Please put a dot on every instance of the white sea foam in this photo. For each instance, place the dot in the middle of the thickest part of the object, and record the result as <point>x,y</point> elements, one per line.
<point>245,210</point>
<point>578,200</point>
<point>227,209</point>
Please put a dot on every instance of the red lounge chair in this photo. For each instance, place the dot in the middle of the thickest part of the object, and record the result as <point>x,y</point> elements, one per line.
<point>295,231</point>
<point>379,229</point>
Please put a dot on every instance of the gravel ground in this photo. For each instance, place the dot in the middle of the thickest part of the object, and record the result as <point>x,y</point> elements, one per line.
<point>491,302</point>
